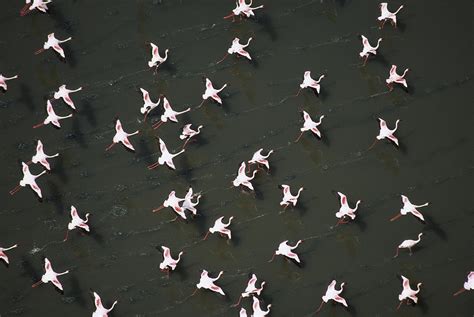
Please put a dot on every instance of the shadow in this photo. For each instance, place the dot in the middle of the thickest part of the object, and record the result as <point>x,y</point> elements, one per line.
<point>144,153</point>
<point>301,207</point>
<point>253,62</point>
<point>359,221</point>
<point>341,2</point>
<point>76,133</point>
<point>55,197</point>
<point>186,169</point>
<point>70,55</point>
<point>257,192</point>
<point>59,19</point>
<point>323,94</point>
<point>168,67</point>
<point>265,21</point>
<point>88,112</point>
<point>58,169</point>
<point>401,147</point>
<point>26,97</point>
<point>200,221</point>
<point>324,138</point>
<point>380,58</point>
<point>76,291</point>
<point>432,225</point>
<point>421,305</point>
<point>29,270</point>
<point>401,26</point>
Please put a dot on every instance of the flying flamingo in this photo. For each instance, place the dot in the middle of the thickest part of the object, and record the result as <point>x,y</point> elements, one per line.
<point>407,292</point>
<point>77,222</point>
<point>309,82</point>
<point>242,179</point>
<point>41,5</point>
<point>395,78</point>
<point>168,262</point>
<point>211,92</point>
<point>52,117</point>
<point>251,289</point>
<point>258,158</point>
<point>28,179</point>
<point>121,137</point>
<point>207,282</point>
<point>386,15</point>
<point>50,276</point>
<point>156,59</point>
<point>63,93</point>
<point>468,285</point>
<point>408,207</point>
<point>286,250</point>
<point>257,310</point>
<point>288,197</point>
<point>368,49</point>
<point>408,244</point>
<point>243,9</point>
<point>188,133</point>
<point>243,312</point>
<point>41,157</point>
<point>148,105</point>
<point>100,310</point>
<point>173,202</point>
<point>333,293</point>
<point>169,114</point>
<point>3,256</point>
<point>3,81</point>
<point>310,125</point>
<point>386,133</point>
<point>220,227</point>
<point>54,43</point>
<point>238,49</point>
<point>345,210</point>
<point>166,157</point>
<point>188,203</point>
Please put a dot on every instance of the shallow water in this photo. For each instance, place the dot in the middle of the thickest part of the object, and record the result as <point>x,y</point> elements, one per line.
<point>108,57</point>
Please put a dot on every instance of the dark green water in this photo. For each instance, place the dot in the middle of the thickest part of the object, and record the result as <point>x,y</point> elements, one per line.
<point>108,57</point>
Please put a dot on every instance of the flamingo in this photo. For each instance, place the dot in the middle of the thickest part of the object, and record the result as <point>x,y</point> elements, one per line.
<point>188,133</point>
<point>3,81</point>
<point>310,125</point>
<point>220,227</point>
<point>173,202</point>
<point>287,250</point>
<point>407,292</point>
<point>168,262</point>
<point>258,158</point>
<point>468,285</point>
<point>77,222</point>
<point>41,157</point>
<point>309,82</point>
<point>50,276</point>
<point>100,310</point>
<point>122,137</point>
<point>345,210</point>
<point>54,43</point>
<point>242,179</point>
<point>166,157</point>
<point>243,312</point>
<point>63,93</point>
<point>188,203</point>
<point>408,244</point>
<point>395,78</point>
<point>333,294</point>
<point>41,5</point>
<point>368,49</point>
<point>243,9</point>
<point>386,133</point>
<point>386,15</point>
<point>52,117</point>
<point>237,48</point>
<point>156,59</point>
<point>28,179</point>
<point>257,310</point>
<point>251,289</point>
<point>3,256</point>
<point>148,105</point>
<point>169,114</point>
<point>211,92</point>
<point>288,197</point>
<point>408,207</point>
<point>207,282</point>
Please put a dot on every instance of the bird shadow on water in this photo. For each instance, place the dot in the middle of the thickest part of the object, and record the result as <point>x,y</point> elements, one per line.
<point>88,112</point>
<point>76,291</point>
<point>144,153</point>
<point>380,58</point>
<point>70,56</point>
<point>186,169</point>
<point>59,169</point>
<point>432,225</point>
<point>76,133</point>
<point>26,97</point>
<point>59,19</point>
<point>55,197</point>
<point>265,21</point>
<point>169,67</point>
<point>29,270</point>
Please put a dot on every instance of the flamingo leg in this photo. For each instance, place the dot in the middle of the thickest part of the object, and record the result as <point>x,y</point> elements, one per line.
<point>205,237</point>
<point>158,209</point>
<point>395,217</point>
<point>273,258</point>
<point>41,50</point>
<point>298,93</point>
<point>232,15</point>
<point>301,134</point>
<point>23,11</point>
<point>238,303</point>
<point>396,254</point>
<point>373,144</point>
<point>109,147</point>
<point>157,125</point>
<point>399,305</point>
<point>200,105</point>
<point>459,292</point>
<point>153,166</point>
<point>15,190</point>
<point>319,308</point>
<point>186,142</point>
<point>67,234</point>
<point>36,284</point>
<point>38,125</point>
<point>225,56</point>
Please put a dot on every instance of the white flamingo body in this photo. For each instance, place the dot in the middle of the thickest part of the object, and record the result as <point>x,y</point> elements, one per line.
<point>148,105</point>
<point>386,15</point>
<point>30,179</point>
<point>3,81</point>
<point>3,256</point>
<point>166,157</point>
<point>77,221</point>
<point>53,42</point>
<point>334,294</point>
<point>245,9</point>
<point>286,250</point>
<point>243,312</point>
<point>408,244</point>
<point>122,136</point>
<point>408,207</point>
<point>408,292</point>
<point>156,59</point>
<point>211,92</point>
<point>345,210</point>
<point>469,284</point>
<point>173,202</point>
<point>207,282</point>
<point>252,288</point>
<point>221,227</point>
<point>385,132</point>
<point>188,203</point>
<point>310,125</point>
<point>309,82</point>
<point>63,93</point>
<point>188,132</point>
<point>288,197</point>
<point>51,276</point>
<point>367,48</point>
<point>100,310</point>
<point>41,157</point>
<point>242,179</point>
<point>257,310</point>
<point>259,158</point>
<point>239,49</point>
<point>169,113</point>
<point>52,117</point>
<point>394,77</point>
<point>168,262</point>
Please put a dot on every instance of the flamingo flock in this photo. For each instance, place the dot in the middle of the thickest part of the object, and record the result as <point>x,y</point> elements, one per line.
<point>247,171</point>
